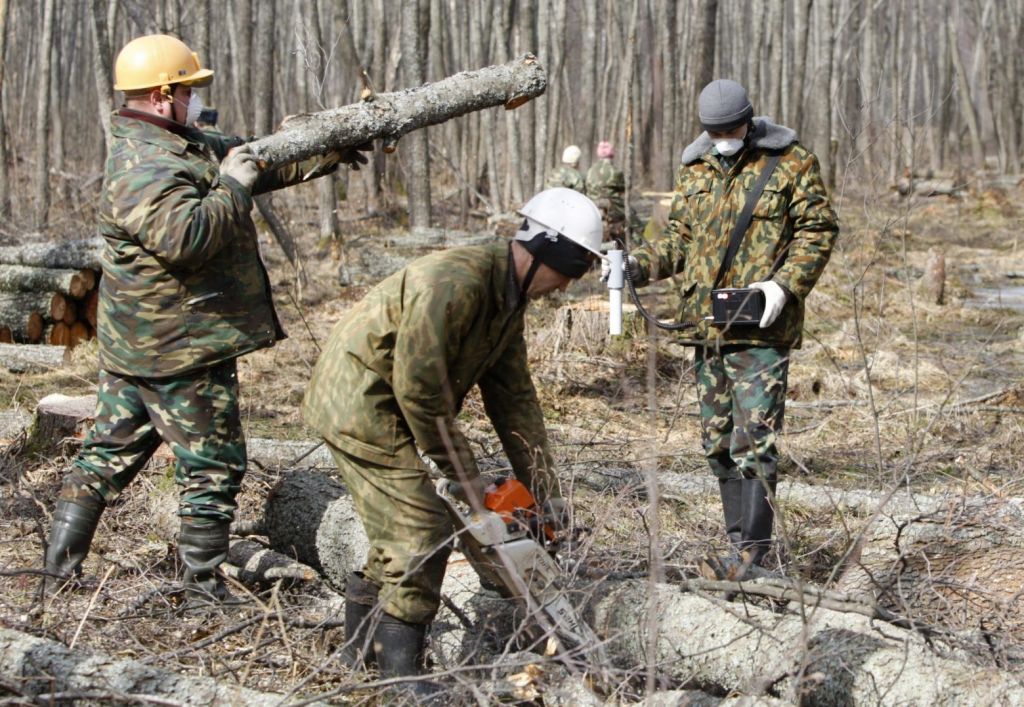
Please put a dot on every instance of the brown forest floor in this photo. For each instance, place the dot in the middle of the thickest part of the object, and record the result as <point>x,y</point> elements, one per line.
<point>875,398</point>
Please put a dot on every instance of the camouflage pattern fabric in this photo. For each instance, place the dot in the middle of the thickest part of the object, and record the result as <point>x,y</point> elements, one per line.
<point>565,176</point>
<point>409,530</point>
<point>742,392</point>
<point>183,284</point>
<point>196,414</point>
<point>395,370</point>
<point>789,241</point>
<point>606,185</point>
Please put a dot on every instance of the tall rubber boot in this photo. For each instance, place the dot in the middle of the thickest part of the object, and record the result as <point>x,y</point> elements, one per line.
<point>731,491</point>
<point>758,519</point>
<point>202,546</point>
<point>360,598</point>
<point>71,535</point>
<point>400,648</point>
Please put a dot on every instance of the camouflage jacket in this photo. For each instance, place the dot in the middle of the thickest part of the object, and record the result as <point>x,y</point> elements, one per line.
<point>395,370</point>
<point>565,176</point>
<point>183,284</point>
<point>789,240</point>
<point>606,185</point>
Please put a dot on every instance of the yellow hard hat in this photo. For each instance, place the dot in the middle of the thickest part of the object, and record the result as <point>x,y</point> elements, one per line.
<point>158,60</point>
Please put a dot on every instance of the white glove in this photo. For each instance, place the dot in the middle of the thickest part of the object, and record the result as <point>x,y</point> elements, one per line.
<point>630,265</point>
<point>240,165</point>
<point>774,300</point>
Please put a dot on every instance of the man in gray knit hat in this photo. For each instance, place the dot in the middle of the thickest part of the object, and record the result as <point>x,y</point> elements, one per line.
<point>742,370</point>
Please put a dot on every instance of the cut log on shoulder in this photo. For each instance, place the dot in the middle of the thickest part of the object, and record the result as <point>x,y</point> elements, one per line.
<point>828,658</point>
<point>52,673</point>
<point>31,359</point>
<point>74,255</point>
<point>24,278</point>
<point>309,515</point>
<point>389,116</point>
<point>59,419</point>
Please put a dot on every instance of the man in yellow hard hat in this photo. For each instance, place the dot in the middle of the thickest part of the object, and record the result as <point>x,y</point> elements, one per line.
<point>184,293</point>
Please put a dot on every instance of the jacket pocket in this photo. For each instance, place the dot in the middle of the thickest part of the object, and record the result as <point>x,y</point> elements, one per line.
<point>772,205</point>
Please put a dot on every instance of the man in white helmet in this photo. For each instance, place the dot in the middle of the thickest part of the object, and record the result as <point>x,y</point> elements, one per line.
<point>391,380</point>
<point>567,174</point>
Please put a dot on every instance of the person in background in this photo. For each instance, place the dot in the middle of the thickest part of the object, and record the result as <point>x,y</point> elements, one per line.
<point>567,174</point>
<point>606,185</point>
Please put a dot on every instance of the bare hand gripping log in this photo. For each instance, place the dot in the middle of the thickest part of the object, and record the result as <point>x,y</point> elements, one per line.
<point>389,116</point>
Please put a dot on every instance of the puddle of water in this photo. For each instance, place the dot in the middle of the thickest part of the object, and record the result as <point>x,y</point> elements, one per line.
<point>998,297</point>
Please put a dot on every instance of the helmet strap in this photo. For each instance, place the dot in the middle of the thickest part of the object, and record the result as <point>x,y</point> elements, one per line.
<point>530,273</point>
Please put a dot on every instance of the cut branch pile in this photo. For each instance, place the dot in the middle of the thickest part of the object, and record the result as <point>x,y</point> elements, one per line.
<point>49,292</point>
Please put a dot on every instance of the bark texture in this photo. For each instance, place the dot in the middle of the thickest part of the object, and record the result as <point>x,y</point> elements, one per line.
<point>45,668</point>
<point>830,659</point>
<point>309,516</point>
<point>24,278</point>
<point>77,254</point>
<point>31,359</point>
<point>389,116</point>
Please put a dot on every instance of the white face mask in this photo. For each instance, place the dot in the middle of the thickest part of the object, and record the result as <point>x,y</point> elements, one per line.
<point>729,147</point>
<point>193,109</point>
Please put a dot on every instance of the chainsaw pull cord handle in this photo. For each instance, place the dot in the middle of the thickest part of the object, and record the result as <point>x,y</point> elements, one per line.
<point>736,237</point>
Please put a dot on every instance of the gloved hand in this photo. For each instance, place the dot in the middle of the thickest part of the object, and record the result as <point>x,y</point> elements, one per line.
<point>629,265</point>
<point>353,156</point>
<point>556,513</point>
<point>240,165</point>
<point>475,488</point>
<point>774,300</point>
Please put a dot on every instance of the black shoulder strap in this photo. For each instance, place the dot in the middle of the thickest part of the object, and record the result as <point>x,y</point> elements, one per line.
<point>743,222</point>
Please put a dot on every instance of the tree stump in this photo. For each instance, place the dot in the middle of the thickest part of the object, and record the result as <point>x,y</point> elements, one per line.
<point>60,423</point>
<point>933,283</point>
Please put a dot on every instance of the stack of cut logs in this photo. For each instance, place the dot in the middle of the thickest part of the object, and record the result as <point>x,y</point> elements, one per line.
<point>49,292</point>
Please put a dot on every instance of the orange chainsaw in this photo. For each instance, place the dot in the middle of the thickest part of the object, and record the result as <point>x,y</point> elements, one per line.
<point>510,545</point>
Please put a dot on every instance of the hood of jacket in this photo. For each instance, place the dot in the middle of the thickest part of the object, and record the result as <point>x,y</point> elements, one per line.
<point>767,136</point>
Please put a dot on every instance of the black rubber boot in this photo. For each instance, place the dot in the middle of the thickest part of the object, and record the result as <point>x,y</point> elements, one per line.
<point>758,519</point>
<point>399,647</point>
<point>202,546</point>
<point>360,598</point>
<point>74,525</point>
<point>732,509</point>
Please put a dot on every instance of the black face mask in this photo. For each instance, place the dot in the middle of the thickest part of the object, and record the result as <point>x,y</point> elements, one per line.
<point>560,254</point>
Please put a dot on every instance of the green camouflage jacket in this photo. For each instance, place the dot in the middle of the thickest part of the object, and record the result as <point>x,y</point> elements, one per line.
<point>606,185</point>
<point>565,176</point>
<point>395,370</point>
<point>789,240</point>
<point>183,284</point>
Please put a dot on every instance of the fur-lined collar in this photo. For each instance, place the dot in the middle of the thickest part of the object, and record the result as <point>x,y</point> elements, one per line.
<point>767,136</point>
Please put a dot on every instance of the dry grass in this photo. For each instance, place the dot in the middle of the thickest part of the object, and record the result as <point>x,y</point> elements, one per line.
<point>877,396</point>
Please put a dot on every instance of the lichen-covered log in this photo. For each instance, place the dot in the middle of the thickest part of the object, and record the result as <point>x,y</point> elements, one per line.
<point>75,255</point>
<point>25,278</point>
<point>309,515</point>
<point>31,359</point>
<point>389,116</point>
<point>45,669</point>
<point>830,659</point>
<point>252,564</point>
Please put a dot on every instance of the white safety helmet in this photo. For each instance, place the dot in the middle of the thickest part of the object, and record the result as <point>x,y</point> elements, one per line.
<point>567,213</point>
<point>571,155</point>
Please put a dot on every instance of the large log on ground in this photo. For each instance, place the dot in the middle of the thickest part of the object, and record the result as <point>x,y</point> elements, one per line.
<point>830,658</point>
<point>76,254</point>
<point>31,359</point>
<point>309,516</point>
<point>47,672</point>
<point>389,116</point>
<point>25,278</point>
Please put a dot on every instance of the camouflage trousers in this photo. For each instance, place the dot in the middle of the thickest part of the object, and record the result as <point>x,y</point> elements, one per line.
<point>196,414</point>
<point>742,391</point>
<point>409,530</point>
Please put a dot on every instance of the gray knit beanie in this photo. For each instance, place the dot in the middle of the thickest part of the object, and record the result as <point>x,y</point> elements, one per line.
<point>723,106</point>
